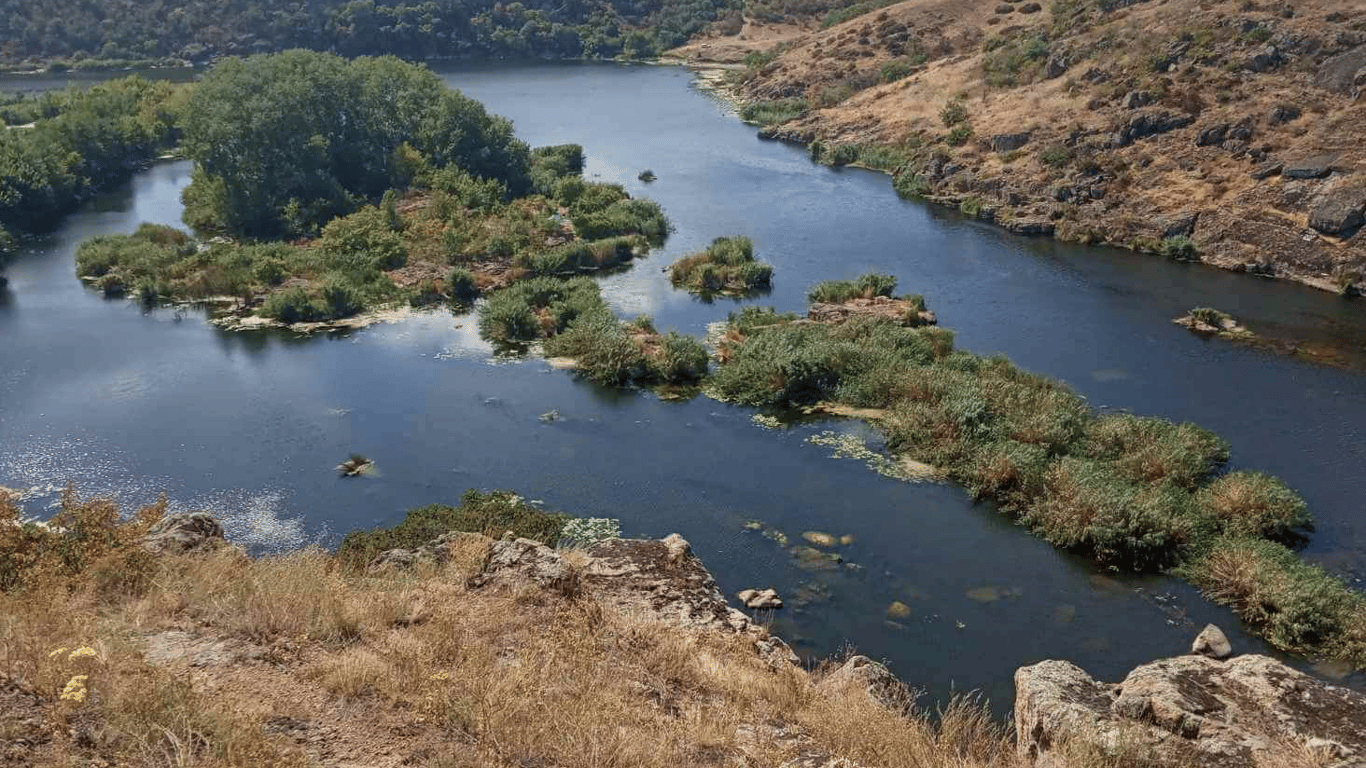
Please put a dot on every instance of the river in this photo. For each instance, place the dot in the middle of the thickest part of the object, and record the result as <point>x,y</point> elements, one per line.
<point>133,403</point>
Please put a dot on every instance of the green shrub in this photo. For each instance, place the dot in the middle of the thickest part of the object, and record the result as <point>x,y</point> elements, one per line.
<point>1014,59</point>
<point>1254,504</point>
<point>1055,155</point>
<point>551,165</point>
<point>894,70</point>
<point>841,154</point>
<point>864,287</point>
<point>602,349</point>
<point>1150,450</point>
<point>773,112</point>
<point>1296,606</point>
<point>1209,316</point>
<point>959,135</point>
<point>491,514</point>
<point>1085,506</point>
<point>537,307</point>
<point>293,305</point>
<point>680,359</point>
<point>910,185</point>
<point>954,113</point>
<point>460,284</point>
<point>367,239</point>
<point>1179,247</point>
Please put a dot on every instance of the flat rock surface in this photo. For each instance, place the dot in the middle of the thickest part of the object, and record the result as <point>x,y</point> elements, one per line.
<point>1218,714</point>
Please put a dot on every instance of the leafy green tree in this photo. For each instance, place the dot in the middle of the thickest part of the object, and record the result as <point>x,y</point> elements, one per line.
<point>284,143</point>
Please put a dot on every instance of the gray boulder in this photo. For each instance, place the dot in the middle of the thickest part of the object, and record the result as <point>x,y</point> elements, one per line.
<point>1212,642</point>
<point>1152,123</point>
<point>1008,142</point>
<point>1316,167</point>
<point>1340,209</point>
<point>1265,60</point>
<point>861,672</point>
<point>760,599</point>
<point>1344,73</point>
<point>1190,710</point>
<point>178,534</point>
<point>1212,135</point>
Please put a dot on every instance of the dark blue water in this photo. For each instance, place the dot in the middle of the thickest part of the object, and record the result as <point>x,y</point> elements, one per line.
<point>250,425</point>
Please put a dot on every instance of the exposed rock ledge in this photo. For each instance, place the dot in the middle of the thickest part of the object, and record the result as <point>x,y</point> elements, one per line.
<point>1196,710</point>
<point>662,579</point>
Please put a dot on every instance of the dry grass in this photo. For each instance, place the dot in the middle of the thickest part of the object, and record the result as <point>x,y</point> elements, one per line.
<point>476,677</point>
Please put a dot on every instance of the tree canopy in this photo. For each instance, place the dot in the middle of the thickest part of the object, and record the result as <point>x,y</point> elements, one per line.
<point>199,30</point>
<point>285,143</point>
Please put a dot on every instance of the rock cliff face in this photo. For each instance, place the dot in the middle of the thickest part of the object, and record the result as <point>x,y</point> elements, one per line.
<point>1247,711</point>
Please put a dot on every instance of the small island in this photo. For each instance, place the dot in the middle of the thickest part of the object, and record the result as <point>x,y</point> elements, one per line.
<point>425,199</point>
<point>1207,320</point>
<point>728,267</point>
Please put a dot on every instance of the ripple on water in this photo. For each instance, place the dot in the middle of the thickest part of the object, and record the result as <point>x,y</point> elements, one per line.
<point>257,519</point>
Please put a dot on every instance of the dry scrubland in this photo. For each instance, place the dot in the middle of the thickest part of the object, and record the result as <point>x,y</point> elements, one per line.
<point>1228,132</point>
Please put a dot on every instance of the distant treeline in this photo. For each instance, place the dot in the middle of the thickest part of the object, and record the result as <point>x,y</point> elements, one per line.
<point>71,33</point>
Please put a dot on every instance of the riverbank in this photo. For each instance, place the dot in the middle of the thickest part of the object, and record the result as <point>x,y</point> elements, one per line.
<point>479,651</point>
<point>1235,151</point>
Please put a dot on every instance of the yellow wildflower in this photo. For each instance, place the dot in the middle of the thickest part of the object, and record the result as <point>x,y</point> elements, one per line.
<point>56,653</point>
<point>75,689</point>
<point>442,675</point>
<point>84,652</point>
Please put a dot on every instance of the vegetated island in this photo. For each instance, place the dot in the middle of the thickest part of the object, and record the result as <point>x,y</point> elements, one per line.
<point>326,188</point>
<point>727,267</point>
<point>1135,493</point>
<point>1201,132</point>
<point>482,634</point>
<point>1208,320</point>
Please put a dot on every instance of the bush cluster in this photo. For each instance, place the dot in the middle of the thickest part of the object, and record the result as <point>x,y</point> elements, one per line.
<point>727,266</point>
<point>491,514</point>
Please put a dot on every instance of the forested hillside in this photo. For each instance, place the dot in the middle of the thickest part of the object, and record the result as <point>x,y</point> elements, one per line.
<point>76,31</point>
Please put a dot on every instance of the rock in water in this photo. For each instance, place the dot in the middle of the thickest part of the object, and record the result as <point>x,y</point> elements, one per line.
<point>1212,642</point>
<point>761,599</point>
<point>178,534</point>
<point>1190,710</point>
<point>820,538</point>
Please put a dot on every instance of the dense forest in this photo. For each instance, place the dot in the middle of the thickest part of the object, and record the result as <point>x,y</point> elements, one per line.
<point>76,32</point>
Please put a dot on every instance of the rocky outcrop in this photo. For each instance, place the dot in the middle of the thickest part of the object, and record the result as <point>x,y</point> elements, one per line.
<point>1145,124</point>
<point>1008,142</point>
<point>873,678</point>
<point>660,579</point>
<point>1315,167</point>
<point>1344,73</point>
<point>1216,714</point>
<point>179,534</point>
<point>1339,209</point>
<point>898,310</point>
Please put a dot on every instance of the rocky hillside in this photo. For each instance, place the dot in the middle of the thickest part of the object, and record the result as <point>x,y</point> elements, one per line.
<point>474,651</point>
<point>1230,132</point>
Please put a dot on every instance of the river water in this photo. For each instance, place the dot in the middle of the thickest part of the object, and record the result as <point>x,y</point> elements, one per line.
<point>133,403</point>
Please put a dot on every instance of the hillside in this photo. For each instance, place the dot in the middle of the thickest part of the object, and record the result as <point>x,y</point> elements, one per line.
<point>1228,132</point>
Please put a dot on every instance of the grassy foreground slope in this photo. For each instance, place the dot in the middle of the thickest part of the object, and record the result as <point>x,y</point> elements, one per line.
<point>1227,132</point>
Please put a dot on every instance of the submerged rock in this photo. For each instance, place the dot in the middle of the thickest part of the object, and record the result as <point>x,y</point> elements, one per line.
<point>1212,642</point>
<point>760,599</point>
<point>820,538</point>
<point>355,465</point>
<point>1190,710</point>
<point>898,610</point>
